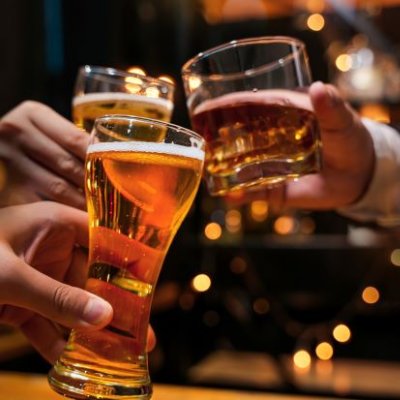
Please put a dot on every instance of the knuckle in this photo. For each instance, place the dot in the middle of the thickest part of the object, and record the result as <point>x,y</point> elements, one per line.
<point>58,188</point>
<point>68,165</point>
<point>31,106</point>
<point>61,299</point>
<point>78,141</point>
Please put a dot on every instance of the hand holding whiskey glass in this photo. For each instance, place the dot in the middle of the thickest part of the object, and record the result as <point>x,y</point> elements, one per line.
<point>243,98</point>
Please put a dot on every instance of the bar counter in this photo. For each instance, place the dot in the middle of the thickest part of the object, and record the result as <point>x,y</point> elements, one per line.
<point>16,386</point>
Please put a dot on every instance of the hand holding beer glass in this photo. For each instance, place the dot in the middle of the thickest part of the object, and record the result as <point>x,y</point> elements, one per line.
<point>243,98</point>
<point>139,189</point>
<point>100,91</point>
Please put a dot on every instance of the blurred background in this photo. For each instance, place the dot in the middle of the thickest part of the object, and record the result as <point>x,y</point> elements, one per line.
<point>294,303</point>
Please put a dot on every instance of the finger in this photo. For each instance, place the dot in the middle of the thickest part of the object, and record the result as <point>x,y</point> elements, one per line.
<point>44,337</point>
<point>51,187</point>
<point>78,271</point>
<point>47,152</point>
<point>33,218</point>
<point>67,305</point>
<point>334,115</point>
<point>70,216</point>
<point>59,129</point>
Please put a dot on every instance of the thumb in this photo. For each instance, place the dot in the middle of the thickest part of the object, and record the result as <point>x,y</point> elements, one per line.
<point>333,113</point>
<point>67,305</point>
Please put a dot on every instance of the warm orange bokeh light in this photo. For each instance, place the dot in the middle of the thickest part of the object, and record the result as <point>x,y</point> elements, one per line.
<point>316,22</point>
<point>341,333</point>
<point>370,295</point>
<point>201,283</point>
<point>302,359</point>
<point>213,231</point>
<point>324,351</point>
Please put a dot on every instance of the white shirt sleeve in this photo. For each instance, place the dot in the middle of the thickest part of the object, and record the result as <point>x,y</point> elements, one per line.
<point>381,202</point>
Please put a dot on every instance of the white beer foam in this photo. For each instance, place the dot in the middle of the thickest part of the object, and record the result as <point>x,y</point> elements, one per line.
<point>120,96</point>
<point>147,147</point>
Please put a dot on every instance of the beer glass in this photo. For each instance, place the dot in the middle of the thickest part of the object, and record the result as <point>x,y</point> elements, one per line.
<point>100,91</point>
<point>138,192</point>
<point>243,98</point>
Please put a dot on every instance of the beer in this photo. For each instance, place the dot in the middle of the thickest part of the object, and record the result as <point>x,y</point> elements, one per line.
<point>138,194</point>
<point>86,108</point>
<point>249,132</point>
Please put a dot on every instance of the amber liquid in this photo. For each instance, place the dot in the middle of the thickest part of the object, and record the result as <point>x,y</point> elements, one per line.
<point>86,108</point>
<point>256,138</point>
<point>137,199</point>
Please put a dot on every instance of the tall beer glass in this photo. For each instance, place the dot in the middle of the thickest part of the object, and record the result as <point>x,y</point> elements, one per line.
<point>100,91</point>
<point>138,192</point>
<point>243,97</point>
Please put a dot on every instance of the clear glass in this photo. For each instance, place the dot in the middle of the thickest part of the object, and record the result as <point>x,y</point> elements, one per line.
<point>243,98</point>
<point>141,178</point>
<point>101,91</point>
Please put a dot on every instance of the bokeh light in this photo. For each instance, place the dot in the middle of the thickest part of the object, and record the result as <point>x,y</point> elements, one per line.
<point>316,22</point>
<point>395,257</point>
<point>213,231</point>
<point>201,283</point>
<point>324,351</point>
<point>341,333</point>
<point>370,295</point>
<point>302,359</point>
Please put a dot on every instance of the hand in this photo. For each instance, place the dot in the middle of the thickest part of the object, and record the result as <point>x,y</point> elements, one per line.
<point>348,159</point>
<point>43,155</point>
<point>39,249</point>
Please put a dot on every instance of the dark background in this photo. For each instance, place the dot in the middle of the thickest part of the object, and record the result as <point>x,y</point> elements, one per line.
<point>309,281</point>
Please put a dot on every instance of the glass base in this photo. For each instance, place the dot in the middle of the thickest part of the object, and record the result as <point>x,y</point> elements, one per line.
<point>264,173</point>
<point>83,384</point>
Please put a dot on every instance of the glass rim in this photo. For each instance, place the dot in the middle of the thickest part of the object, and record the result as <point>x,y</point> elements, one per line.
<point>165,124</point>
<point>186,69</point>
<point>112,74</point>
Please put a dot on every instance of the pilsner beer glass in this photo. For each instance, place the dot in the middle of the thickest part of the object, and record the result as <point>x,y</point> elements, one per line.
<point>243,98</point>
<point>100,91</point>
<point>138,192</point>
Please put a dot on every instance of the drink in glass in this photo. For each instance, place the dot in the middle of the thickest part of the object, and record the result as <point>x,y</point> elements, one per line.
<point>100,91</point>
<point>244,98</point>
<point>138,192</point>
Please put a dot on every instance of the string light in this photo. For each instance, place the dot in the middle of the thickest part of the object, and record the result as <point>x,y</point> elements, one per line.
<point>238,265</point>
<point>213,231</point>
<point>341,333</point>
<point>370,295</point>
<point>259,210</point>
<point>344,62</point>
<point>316,22</point>
<point>302,359</point>
<point>233,221</point>
<point>261,306</point>
<point>284,225</point>
<point>395,257</point>
<point>324,351</point>
<point>201,283</point>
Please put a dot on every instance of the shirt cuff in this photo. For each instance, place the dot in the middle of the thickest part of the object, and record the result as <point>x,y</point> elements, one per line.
<point>381,202</point>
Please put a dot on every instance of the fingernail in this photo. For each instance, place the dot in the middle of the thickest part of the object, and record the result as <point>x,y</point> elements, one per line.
<point>96,311</point>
